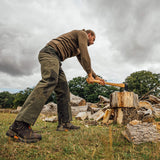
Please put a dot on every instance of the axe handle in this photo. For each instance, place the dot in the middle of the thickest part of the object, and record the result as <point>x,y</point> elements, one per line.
<point>122,85</point>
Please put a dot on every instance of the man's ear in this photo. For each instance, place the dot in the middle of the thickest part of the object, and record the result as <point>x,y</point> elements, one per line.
<point>89,34</point>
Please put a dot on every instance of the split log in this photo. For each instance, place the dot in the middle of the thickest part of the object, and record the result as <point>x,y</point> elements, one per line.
<point>157,105</point>
<point>103,99</point>
<point>93,109</point>
<point>123,99</point>
<point>153,99</point>
<point>76,110</point>
<point>77,101</point>
<point>145,104</point>
<point>98,115</point>
<point>156,112</point>
<point>49,109</point>
<point>120,116</point>
<point>125,115</point>
<point>81,116</point>
<point>106,116</point>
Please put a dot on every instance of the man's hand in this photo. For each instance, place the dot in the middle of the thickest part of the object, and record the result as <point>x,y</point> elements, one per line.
<point>102,81</point>
<point>90,78</point>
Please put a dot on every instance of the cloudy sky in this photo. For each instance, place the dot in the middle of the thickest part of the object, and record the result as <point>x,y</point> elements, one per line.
<point>127,37</point>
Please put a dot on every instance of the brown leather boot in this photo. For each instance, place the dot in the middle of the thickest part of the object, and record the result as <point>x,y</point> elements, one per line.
<point>67,126</point>
<point>23,132</point>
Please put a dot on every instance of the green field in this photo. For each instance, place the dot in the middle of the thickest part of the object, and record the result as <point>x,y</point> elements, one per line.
<point>93,142</point>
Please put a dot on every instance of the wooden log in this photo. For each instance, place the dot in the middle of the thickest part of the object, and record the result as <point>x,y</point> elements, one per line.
<point>106,116</point>
<point>103,99</point>
<point>145,104</point>
<point>154,99</point>
<point>98,115</point>
<point>125,115</point>
<point>123,99</point>
<point>81,116</point>
<point>93,109</point>
<point>120,116</point>
<point>77,101</point>
<point>141,133</point>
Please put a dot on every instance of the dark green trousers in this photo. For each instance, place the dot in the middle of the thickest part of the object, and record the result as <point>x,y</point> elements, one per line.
<point>53,79</point>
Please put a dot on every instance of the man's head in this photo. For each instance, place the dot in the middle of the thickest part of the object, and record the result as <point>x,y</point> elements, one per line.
<point>91,36</point>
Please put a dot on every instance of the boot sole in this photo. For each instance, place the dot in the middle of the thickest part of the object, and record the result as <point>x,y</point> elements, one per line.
<point>66,129</point>
<point>16,137</point>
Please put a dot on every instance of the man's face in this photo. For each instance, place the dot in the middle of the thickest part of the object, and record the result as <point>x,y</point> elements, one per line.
<point>91,39</point>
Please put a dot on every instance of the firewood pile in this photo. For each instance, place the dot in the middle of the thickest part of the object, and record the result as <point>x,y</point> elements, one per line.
<point>122,108</point>
<point>126,108</point>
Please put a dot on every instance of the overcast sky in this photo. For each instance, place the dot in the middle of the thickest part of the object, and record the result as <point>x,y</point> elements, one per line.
<point>127,37</point>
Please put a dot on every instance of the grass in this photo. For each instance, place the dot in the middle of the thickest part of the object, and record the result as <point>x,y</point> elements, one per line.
<point>93,143</point>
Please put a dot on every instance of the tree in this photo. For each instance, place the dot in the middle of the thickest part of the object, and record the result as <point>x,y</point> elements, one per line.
<point>21,96</point>
<point>142,81</point>
<point>90,92</point>
<point>6,100</point>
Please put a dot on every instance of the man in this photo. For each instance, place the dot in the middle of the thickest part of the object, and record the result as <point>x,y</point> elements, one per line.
<point>65,46</point>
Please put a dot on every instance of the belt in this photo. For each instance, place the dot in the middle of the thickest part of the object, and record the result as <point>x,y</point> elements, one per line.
<point>50,50</point>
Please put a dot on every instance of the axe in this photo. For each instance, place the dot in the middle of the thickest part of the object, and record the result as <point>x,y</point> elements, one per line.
<point>121,85</point>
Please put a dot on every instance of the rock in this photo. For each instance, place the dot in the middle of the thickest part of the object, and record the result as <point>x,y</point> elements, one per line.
<point>141,132</point>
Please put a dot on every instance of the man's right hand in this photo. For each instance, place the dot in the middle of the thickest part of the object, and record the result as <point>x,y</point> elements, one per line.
<point>91,80</point>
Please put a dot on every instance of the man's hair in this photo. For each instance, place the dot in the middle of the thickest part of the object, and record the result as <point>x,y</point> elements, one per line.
<point>89,31</point>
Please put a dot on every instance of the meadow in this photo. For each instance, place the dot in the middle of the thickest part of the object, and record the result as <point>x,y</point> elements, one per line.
<point>90,142</point>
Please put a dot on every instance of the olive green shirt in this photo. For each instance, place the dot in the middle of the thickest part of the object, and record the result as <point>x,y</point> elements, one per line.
<point>71,44</point>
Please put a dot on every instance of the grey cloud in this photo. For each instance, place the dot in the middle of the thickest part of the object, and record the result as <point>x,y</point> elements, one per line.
<point>133,26</point>
<point>26,27</point>
<point>15,58</point>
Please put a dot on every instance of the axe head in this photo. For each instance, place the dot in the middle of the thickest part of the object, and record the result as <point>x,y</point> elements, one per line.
<point>125,88</point>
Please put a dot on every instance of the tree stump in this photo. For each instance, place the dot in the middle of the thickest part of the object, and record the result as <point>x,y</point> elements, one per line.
<point>123,99</point>
<point>124,105</point>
